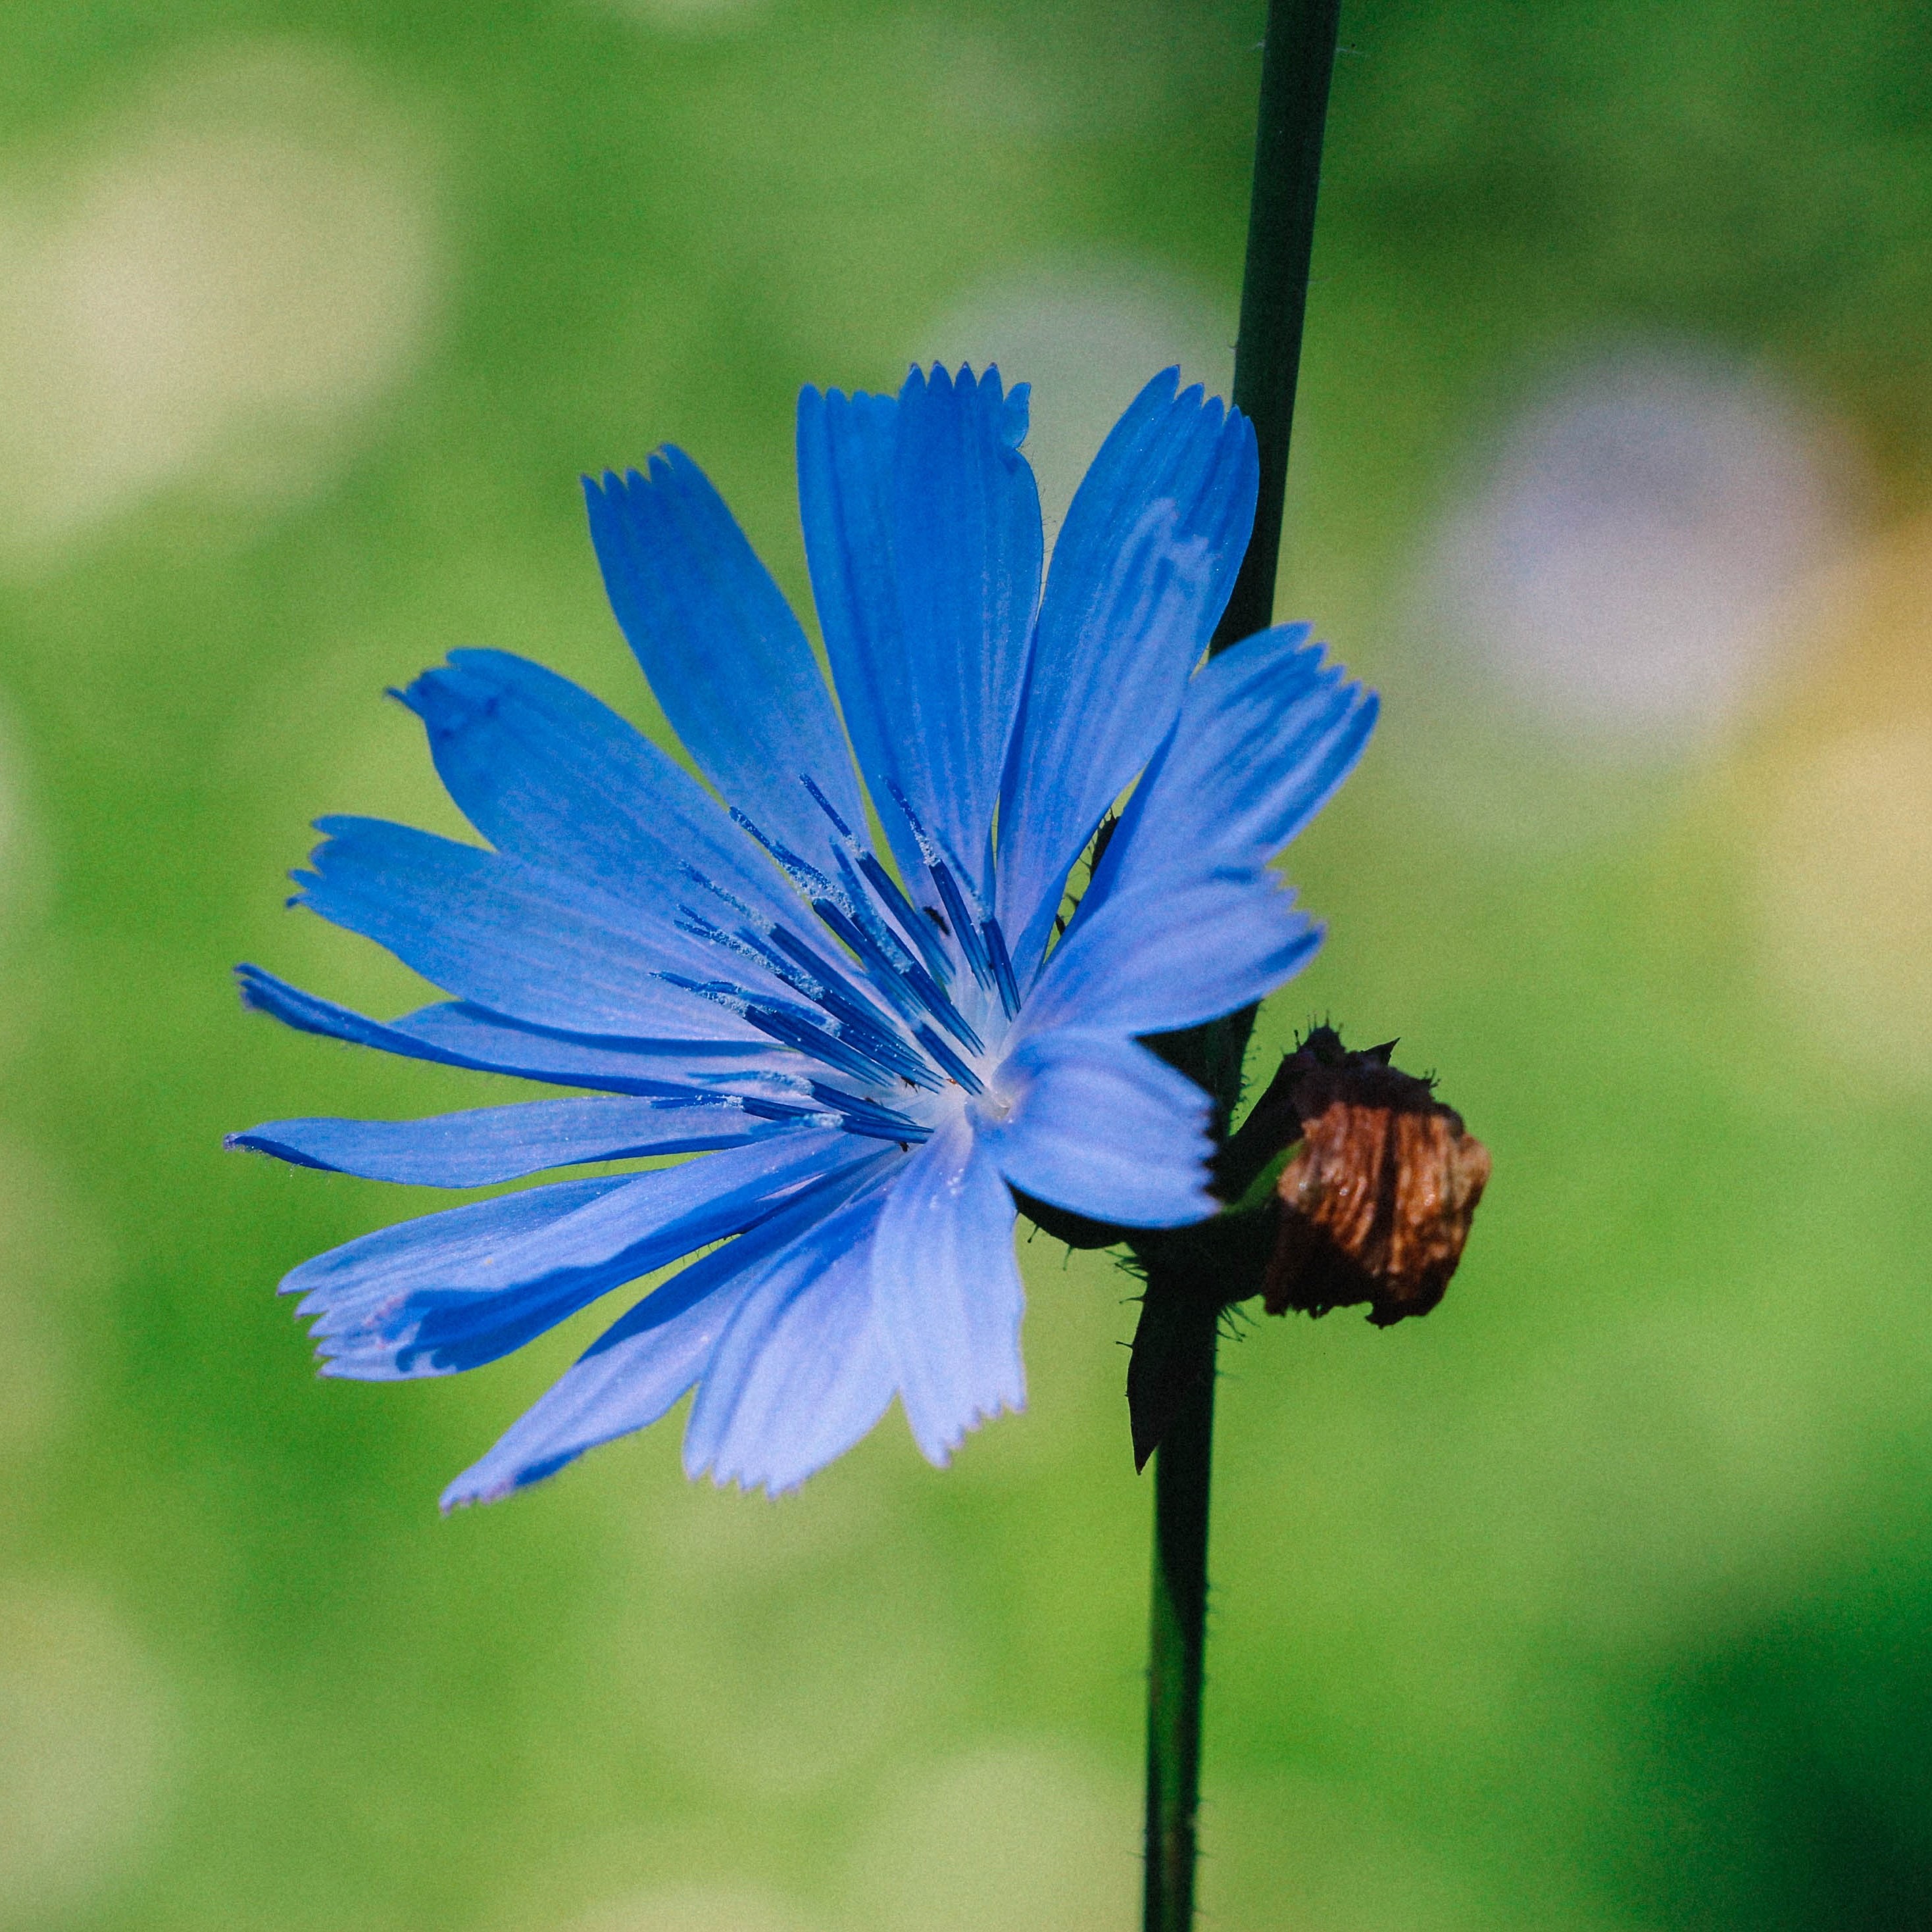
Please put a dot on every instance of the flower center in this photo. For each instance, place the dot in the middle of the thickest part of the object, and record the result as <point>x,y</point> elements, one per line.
<point>907,1009</point>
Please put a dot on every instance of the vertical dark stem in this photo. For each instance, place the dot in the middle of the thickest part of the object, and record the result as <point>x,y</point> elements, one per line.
<point>1176,1645</point>
<point>1297,57</point>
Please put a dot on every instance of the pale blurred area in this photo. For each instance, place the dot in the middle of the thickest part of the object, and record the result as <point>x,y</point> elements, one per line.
<point>1627,564</point>
<point>209,287</point>
<point>1596,1603</point>
<point>87,1726</point>
<point>1841,788</point>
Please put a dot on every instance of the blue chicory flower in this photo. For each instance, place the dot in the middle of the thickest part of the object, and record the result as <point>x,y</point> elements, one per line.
<point>871,1055</point>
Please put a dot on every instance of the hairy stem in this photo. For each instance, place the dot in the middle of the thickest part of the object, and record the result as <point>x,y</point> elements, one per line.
<point>1297,57</point>
<point>1177,1643</point>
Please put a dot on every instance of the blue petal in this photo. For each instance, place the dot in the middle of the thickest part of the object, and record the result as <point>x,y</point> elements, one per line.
<point>1266,735</point>
<point>948,1292</point>
<point>725,656</point>
<point>1097,1124</point>
<point>550,776</point>
<point>452,1034</point>
<point>967,544</point>
<point>452,1290</point>
<point>1141,573</point>
<point>845,446</point>
<point>1155,961</point>
<point>803,1371</point>
<point>373,1296</point>
<point>534,945</point>
<point>633,1371</point>
<point>487,1144</point>
<point>922,524</point>
<point>470,1035</point>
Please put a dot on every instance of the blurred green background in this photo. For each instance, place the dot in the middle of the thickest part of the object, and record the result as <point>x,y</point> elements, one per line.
<point>1599,1600</point>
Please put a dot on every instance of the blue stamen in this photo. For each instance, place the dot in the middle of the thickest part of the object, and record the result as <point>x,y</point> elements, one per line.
<point>964,922</point>
<point>824,805</point>
<point>865,915</point>
<point>861,1030</point>
<point>717,891</point>
<point>917,929</point>
<point>886,891</point>
<point>956,919</point>
<point>835,992</point>
<point>965,927</point>
<point>805,1032</point>
<point>788,1030</point>
<point>806,877</point>
<point>837,1097</point>
<point>806,972</point>
<point>868,1118</point>
<point>855,920</point>
<point>776,1110</point>
<point>891,986</point>
<point>1003,966</point>
<point>950,1061</point>
<point>912,979</point>
<point>758,951</point>
<point>903,980</point>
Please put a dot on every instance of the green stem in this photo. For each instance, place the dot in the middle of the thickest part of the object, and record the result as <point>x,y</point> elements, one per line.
<point>1177,1647</point>
<point>1297,57</point>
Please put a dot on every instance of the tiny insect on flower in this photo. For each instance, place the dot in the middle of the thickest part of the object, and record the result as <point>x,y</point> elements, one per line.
<point>871,1047</point>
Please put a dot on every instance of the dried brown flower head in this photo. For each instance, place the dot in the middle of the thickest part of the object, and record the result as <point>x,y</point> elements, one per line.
<point>1376,1203</point>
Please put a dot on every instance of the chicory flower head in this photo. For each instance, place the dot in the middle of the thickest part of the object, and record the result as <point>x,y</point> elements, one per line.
<point>871,1045</point>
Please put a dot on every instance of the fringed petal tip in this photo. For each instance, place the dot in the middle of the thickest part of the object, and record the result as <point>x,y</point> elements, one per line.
<point>940,1451</point>
<point>469,1489</point>
<point>772,1489</point>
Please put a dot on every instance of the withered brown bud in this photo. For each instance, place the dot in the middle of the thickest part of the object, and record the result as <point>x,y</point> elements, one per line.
<point>1376,1205</point>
